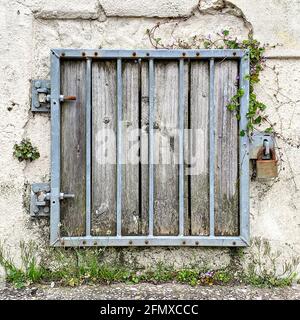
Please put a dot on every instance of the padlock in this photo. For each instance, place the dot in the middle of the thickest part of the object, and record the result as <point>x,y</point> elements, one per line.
<point>266,164</point>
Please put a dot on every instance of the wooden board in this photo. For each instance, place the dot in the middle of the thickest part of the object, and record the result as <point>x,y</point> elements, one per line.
<point>165,146</point>
<point>199,147</point>
<point>226,162</point>
<point>73,148</point>
<point>131,144</point>
<point>104,110</point>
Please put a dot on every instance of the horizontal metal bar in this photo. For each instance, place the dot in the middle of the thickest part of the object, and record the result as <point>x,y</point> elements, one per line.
<point>151,241</point>
<point>152,53</point>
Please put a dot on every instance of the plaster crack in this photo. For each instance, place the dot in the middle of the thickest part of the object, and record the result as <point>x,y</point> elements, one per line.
<point>223,6</point>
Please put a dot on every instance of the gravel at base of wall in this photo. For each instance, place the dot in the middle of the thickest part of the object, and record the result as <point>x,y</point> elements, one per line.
<point>151,291</point>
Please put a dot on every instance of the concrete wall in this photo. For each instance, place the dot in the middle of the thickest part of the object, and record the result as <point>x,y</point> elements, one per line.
<point>29,28</point>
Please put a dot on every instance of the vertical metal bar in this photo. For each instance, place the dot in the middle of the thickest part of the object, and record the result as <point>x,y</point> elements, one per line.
<point>244,149</point>
<point>88,77</point>
<point>151,144</point>
<point>119,146</point>
<point>55,148</point>
<point>181,147</point>
<point>212,131</point>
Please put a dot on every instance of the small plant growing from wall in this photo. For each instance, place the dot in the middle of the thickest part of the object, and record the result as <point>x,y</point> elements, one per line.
<point>25,151</point>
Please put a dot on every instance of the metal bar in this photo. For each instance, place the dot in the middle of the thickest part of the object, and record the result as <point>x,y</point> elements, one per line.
<point>151,53</point>
<point>244,150</point>
<point>88,76</point>
<point>151,145</point>
<point>55,149</point>
<point>212,131</point>
<point>152,241</point>
<point>119,146</point>
<point>181,147</point>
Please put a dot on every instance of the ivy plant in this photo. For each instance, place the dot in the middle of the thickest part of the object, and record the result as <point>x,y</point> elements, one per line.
<point>223,40</point>
<point>26,151</point>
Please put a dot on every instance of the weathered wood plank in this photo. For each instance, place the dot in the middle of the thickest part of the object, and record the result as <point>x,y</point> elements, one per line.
<point>130,169</point>
<point>165,157</point>
<point>104,148</point>
<point>144,178</point>
<point>199,144</point>
<point>73,148</point>
<point>226,169</point>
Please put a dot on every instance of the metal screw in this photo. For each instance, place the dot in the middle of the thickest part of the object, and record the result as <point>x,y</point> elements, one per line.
<point>96,53</point>
<point>37,84</point>
<point>183,54</point>
<point>62,243</point>
<point>83,242</point>
<point>83,54</point>
<point>130,242</point>
<point>196,243</point>
<point>134,54</point>
<point>36,210</point>
<point>234,243</point>
<point>197,54</point>
<point>95,243</point>
<point>183,242</point>
<point>146,242</point>
<point>63,54</point>
<point>147,54</point>
<point>46,209</point>
<point>234,53</point>
<point>47,188</point>
<point>35,189</point>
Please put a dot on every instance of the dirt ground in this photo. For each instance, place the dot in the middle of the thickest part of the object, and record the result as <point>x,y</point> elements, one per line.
<point>149,291</point>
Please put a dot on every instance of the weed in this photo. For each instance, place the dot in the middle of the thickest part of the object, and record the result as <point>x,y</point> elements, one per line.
<point>26,151</point>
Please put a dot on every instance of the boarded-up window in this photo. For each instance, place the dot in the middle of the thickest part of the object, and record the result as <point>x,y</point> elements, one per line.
<point>149,148</point>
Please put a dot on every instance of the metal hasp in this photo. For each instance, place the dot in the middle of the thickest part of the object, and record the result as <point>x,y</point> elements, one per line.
<point>257,141</point>
<point>262,151</point>
<point>89,56</point>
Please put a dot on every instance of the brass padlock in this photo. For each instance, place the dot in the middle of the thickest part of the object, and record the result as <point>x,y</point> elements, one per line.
<point>266,165</point>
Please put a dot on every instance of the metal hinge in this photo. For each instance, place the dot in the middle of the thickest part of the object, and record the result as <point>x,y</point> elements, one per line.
<point>40,199</point>
<point>41,96</point>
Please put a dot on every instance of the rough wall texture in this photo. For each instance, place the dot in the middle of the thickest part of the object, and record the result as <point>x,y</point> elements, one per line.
<point>29,28</point>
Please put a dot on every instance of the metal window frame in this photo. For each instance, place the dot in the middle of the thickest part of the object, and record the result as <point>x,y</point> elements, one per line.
<point>150,240</point>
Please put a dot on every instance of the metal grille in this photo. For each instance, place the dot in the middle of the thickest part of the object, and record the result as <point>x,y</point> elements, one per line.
<point>150,56</point>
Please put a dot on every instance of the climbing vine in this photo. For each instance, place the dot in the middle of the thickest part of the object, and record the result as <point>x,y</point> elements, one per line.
<point>256,115</point>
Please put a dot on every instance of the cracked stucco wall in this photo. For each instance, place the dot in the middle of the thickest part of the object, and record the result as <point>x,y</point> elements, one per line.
<point>29,28</point>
